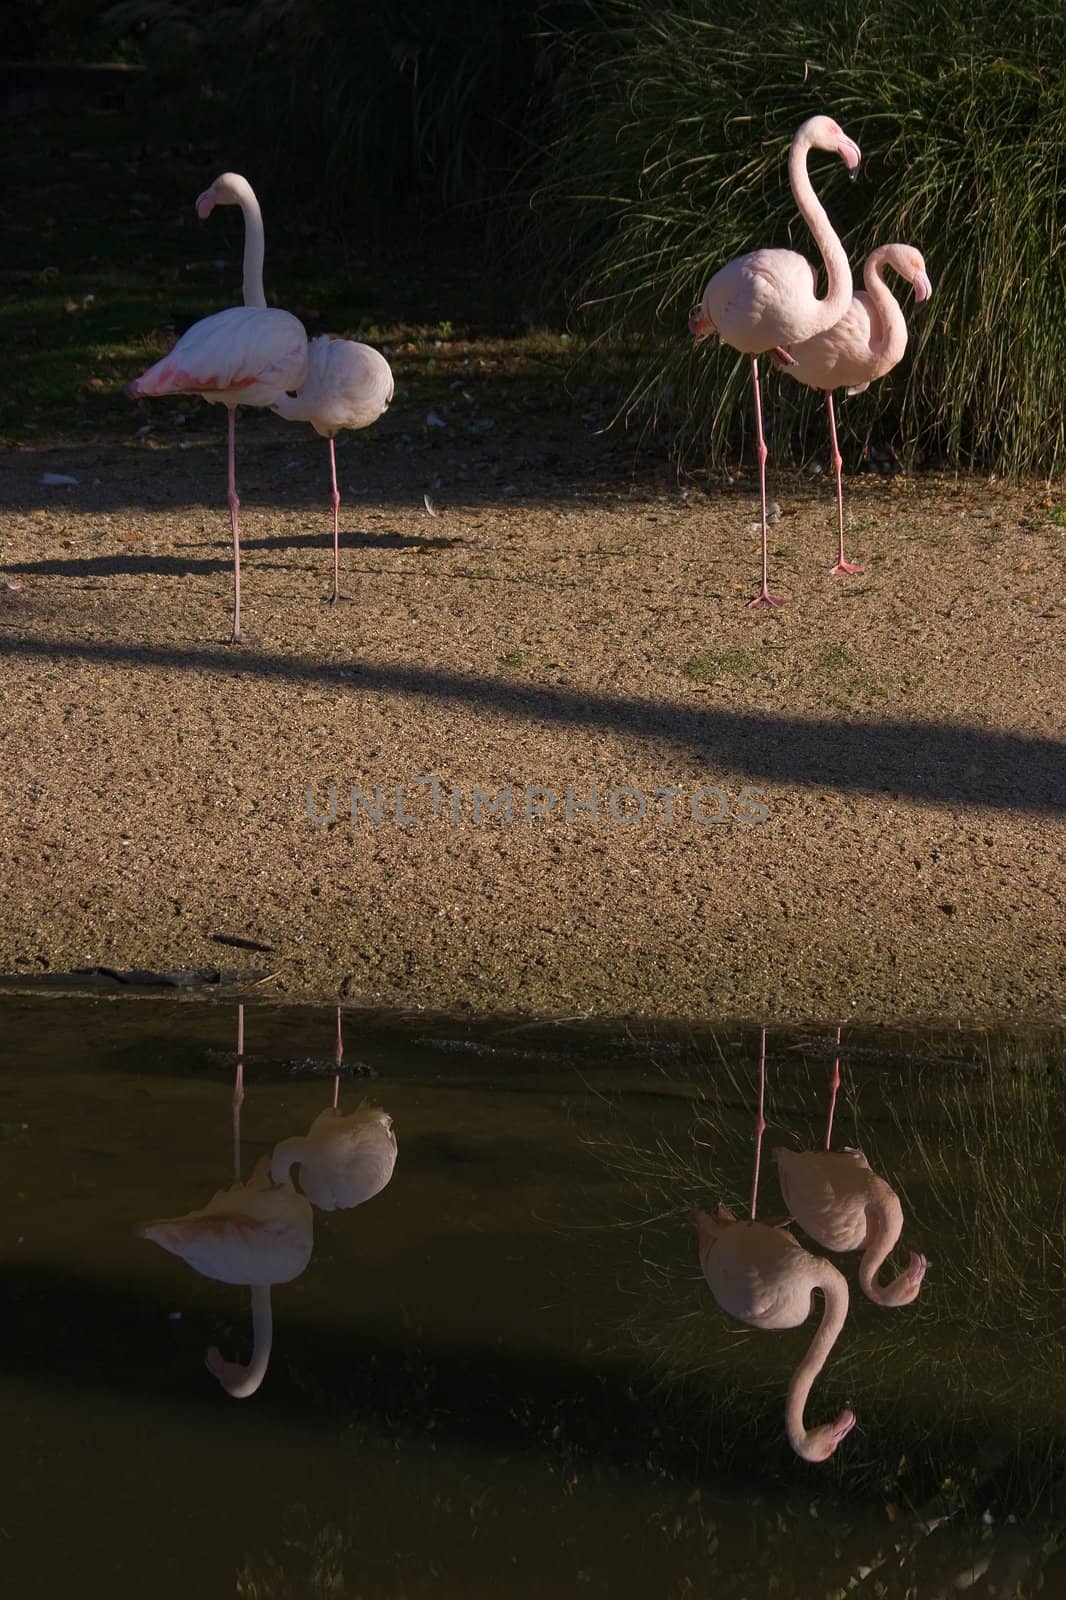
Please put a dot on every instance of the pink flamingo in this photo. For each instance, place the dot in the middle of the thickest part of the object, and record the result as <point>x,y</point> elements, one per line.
<point>348,385</point>
<point>258,1233</point>
<point>253,1233</point>
<point>343,1161</point>
<point>248,356</point>
<point>766,300</point>
<point>844,1206</point>
<point>762,1276</point>
<point>867,342</point>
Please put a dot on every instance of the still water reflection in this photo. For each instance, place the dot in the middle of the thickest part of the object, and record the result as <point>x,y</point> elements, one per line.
<point>502,1372</point>
<point>261,1232</point>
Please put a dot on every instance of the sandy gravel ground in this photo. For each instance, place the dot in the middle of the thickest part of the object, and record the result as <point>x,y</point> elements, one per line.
<point>557,625</point>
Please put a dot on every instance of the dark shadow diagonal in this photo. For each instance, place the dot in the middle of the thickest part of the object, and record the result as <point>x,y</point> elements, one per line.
<point>942,763</point>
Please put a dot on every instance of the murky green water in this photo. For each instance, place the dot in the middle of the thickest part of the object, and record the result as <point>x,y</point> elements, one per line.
<point>504,1373</point>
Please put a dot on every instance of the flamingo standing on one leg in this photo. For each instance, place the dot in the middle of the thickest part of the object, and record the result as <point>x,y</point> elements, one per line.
<point>844,1206</point>
<point>762,1276</point>
<point>766,300</point>
<point>343,1161</point>
<point>256,1233</point>
<point>248,355</point>
<point>245,356</point>
<point>348,385</point>
<point>867,342</point>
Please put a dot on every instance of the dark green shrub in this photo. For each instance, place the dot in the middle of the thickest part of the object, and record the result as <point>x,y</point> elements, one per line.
<point>670,130</point>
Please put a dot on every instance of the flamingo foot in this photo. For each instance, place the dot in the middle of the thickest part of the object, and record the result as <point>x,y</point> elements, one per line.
<point>782,357</point>
<point>236,637</point>
<point>845,566</point>
<point>334,599</point>
<point>767,599</point>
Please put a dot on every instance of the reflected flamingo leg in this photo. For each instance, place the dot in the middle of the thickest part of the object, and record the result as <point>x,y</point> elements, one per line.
<point>760,1125</point>
<point>834,1085</point>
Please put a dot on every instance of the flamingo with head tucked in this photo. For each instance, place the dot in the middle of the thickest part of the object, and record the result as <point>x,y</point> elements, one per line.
<point>344,1160</point>
<point>844,1206</point>
<point>868,341</point>
<point>348,385</point>
<point>766,300</point>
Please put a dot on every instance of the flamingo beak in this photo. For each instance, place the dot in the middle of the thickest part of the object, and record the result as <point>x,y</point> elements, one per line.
<point>844,1424</point>
<point>205,204</point>
<point>699,324</point>
<point>849,153</point>
<point>922,288</point>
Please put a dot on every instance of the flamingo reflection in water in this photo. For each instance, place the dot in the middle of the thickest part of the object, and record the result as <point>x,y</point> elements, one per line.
<point>344,1160</point>
<point>844,1206</point>
<point>762,1276</point>
<point>257,1233</point>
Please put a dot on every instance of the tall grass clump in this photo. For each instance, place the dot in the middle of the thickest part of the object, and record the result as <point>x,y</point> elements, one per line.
<point>667,157</point>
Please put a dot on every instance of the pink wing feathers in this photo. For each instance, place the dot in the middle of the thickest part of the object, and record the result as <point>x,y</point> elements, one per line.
<point>250,1233</point>
<point>247,356</point>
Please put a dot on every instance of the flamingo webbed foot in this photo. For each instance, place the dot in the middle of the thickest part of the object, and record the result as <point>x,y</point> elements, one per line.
<point>845,566</point>
<point>767,599</point>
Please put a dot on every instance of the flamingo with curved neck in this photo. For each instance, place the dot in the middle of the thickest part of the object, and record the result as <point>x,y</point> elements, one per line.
<point>766,300</point>
<point>763,1277</point>
<point>257,1233</point>
<point>868,341</point>
<point>242,1381</point>
<point>844,1206</point>
<point>230,189</point>
<point>346,385</point>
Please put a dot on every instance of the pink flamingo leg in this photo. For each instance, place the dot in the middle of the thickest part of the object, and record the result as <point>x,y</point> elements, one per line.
<point>764,597</point>
<point>760,1124</point>
<point>834,1086</point>
<point>336,499</point>
<point>238,1093</point>
<point>842,566</point>
<point>234,507</point>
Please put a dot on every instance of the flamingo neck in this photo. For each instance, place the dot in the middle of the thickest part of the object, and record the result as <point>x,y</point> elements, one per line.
<point>889,333</point>
<point>815,216</point>
<point>240,1381</point>
<point>835,1292</point>
<point>254,246</point>
<point>285,1156</point>
<point>884,1224</point>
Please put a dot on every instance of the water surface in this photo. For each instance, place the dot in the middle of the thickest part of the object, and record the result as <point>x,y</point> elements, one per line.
<point>505,1373</point>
